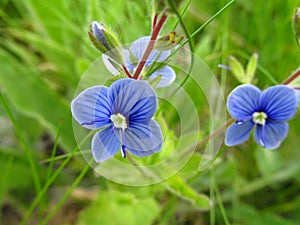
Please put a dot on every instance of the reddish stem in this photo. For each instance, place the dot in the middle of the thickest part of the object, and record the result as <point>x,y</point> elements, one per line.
<point>126,71</point>
<point>292,77</point>
<point>150,46</point>
<point>154,21</point>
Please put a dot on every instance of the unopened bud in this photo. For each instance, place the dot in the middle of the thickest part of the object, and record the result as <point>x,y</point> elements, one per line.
<point>106,41</point>
<point>296,25</point>
<point>168,42</point>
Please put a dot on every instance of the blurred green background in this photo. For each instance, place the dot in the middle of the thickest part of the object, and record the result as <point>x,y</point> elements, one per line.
<point>45,50</point>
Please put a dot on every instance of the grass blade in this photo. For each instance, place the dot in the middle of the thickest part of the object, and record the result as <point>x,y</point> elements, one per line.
<point>22,139</point>
<point>66,195</point>
<point>50,168</point>
<point>51,180</point>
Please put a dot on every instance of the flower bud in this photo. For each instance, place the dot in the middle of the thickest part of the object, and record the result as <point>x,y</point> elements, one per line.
<point>106,41</point>
<point>296,25</point>
<point>168,42</point>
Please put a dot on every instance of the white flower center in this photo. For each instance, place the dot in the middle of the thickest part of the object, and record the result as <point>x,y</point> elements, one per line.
<point>119,121</point>
<point>259,118</point>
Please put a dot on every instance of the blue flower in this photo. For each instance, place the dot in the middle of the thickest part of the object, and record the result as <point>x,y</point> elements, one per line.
<point>135,53</point>
<point>268,111</point>
<point>124,113</point>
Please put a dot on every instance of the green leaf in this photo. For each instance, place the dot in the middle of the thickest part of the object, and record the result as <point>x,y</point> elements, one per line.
<point>61,57</point>
<point>34,98</point>
<point>237,69</point>
<point>268,162</point>
<point>114,78</point>
<point>296,26</point>
<point>119,208</point>
<point>178,186</point>
<point>154,82</point>
<point>18,175</point>
<point>246,214</point>
<point>251,68</point>
<point>48,15</point>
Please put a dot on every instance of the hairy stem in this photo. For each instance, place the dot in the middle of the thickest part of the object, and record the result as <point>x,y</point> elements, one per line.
<point>207,138</point>
<point>215,133</point>
<point>150,46</point>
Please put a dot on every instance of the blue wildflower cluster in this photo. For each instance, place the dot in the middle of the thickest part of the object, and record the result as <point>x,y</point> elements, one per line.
<point>122,113</point>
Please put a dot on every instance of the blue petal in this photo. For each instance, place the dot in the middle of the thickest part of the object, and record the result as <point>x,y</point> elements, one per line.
<point>116,88</point>
<point>238,133</point>
<point>105,144</point>
<point>279,102</point>
<point>127,60</point>
<point>92,108</point>
<point>297,91</point>
<point>272,134</point>
<point>143,139</point>
<point>243,101</point>
<point>133,99</point>
<point>168,76</point>
<point>139,46</point>
<point>162,56</point>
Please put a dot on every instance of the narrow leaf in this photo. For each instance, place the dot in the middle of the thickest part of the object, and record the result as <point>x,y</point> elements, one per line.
<point>179,187</point>
<point>251,67</point>
<point>237,69</point>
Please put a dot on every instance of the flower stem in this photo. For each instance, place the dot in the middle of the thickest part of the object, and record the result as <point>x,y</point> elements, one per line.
<point>28,151</point>
<point>207,138</point>
<point>126,71</point>
<point>292,77</point>
<point>139,168</point>
<point>154,21</point>
<point>150,46</point>
<point>215,133</point>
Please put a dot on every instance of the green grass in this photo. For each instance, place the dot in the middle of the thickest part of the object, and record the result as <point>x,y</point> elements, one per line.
<point>44,52</point>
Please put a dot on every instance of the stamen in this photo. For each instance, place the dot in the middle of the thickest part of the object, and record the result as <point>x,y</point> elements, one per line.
<point>123,148</point>
<point>263,137</point>
<point>123,151</point>
<point>119,121</point>
<point>259,118</point>
<point>239,122</point>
